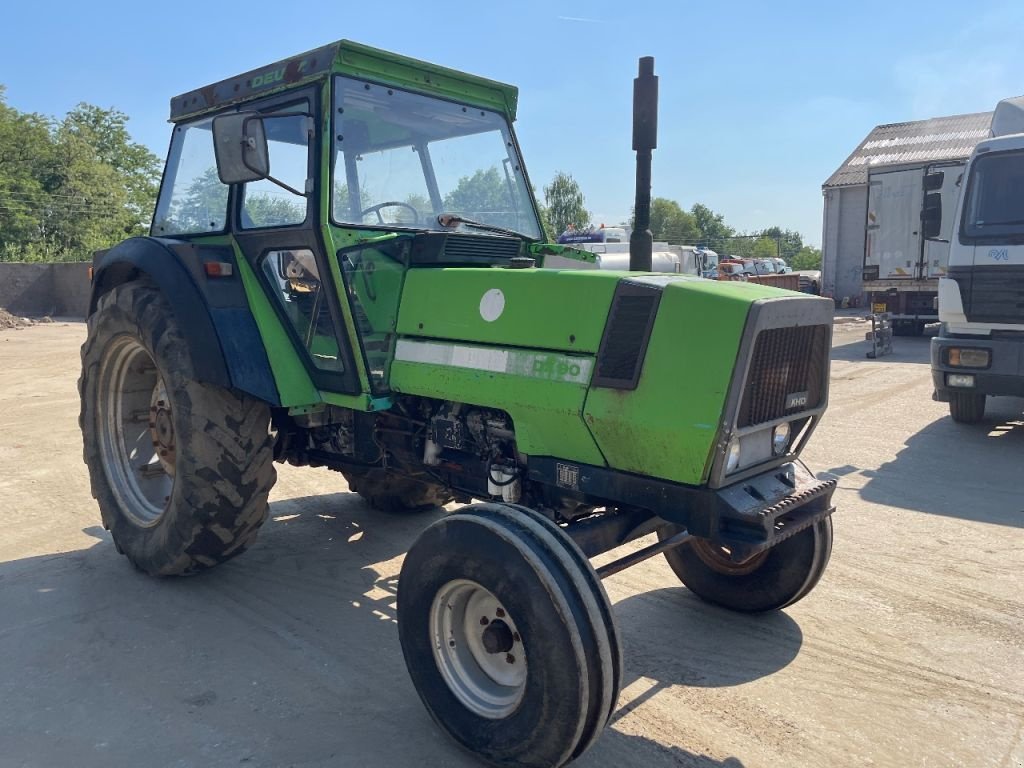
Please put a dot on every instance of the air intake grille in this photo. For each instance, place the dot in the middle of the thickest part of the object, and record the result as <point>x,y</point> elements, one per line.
<point>624,344</point>
<point>787,373</point>
<point>458,248</point>
<point>992,294</point>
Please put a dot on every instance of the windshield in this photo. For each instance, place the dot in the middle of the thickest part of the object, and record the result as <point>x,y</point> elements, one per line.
<point>995,202</point>
<point>401,158</point>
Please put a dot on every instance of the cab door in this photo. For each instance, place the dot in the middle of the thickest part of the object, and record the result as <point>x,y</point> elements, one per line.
<point>277,229</point>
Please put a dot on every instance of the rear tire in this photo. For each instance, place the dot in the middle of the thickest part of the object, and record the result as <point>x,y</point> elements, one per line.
<point>540,608</point>
<point>966,407</point>
<point>398,494</point>
<point>772,580</point>
<point>181,469</point>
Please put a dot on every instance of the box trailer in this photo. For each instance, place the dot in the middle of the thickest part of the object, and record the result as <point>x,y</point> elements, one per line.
<point>901,268</point>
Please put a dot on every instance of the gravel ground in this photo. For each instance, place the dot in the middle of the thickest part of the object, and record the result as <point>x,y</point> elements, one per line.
<point>907,654</point>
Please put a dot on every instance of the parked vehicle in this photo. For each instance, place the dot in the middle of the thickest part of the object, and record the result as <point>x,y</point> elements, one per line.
<point>809,280</point>
<point>901,267</point>
<point>980,348</point>
<point>299,301</point>
<point>781,266</point>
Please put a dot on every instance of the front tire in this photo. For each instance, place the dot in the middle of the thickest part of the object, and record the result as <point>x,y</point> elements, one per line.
<point>507,637</point>
<point>966,407</point>
<point>181,469</point>
<point>770,581</point>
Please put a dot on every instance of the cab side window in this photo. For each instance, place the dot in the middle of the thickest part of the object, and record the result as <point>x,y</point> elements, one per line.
<point>266,204</point>
<point>192,198</point>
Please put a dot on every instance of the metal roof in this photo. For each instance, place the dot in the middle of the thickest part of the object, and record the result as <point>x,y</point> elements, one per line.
<point>918,141</point>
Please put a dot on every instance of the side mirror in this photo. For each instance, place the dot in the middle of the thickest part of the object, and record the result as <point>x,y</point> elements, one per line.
<point>933,181</point>
<point>931,215</point>
<point>240,146</point>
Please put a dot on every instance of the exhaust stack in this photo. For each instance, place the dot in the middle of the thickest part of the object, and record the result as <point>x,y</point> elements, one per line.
<point>645,139</point>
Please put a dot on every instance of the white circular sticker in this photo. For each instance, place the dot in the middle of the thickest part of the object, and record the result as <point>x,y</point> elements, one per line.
<point>492,305</point>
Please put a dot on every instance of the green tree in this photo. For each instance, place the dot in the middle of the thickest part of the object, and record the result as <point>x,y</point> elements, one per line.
<point>670,223</point>
<point>790,241</point>
<point>713,231</point>
<point>137,169</point>
<point>807,257</point>
<point>564,202</point>
<point>483,192</point>
<point>72,186</point>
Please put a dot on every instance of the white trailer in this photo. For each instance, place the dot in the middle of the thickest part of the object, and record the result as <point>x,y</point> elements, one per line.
<point>902,268</point>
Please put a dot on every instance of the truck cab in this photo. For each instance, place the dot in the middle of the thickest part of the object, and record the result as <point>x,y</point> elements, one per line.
<point>980,349</point>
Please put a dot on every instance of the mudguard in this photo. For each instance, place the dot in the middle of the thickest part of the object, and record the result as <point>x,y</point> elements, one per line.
<point>214,313</point>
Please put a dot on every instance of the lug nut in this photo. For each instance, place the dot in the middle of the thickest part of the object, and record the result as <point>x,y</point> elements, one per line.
<point>484,621</point>
<point>500,612</point>
<point>510,658</point>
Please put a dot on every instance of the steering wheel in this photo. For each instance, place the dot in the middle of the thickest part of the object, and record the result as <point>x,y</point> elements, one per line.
<point>380,219</point>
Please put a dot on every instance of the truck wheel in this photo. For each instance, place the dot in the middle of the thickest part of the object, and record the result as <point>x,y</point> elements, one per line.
<point>771,580</point>
<point>181,469</point>
<point>391,492</point>
<point>966,407</point>
<point>507,635</point>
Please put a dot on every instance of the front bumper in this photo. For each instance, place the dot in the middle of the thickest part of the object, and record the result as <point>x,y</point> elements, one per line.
<point>746,517</point>
<point>763,511</point>
<point>1004,376</point>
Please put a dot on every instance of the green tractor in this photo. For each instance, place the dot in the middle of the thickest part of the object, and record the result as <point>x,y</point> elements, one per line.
<point>346,269</point>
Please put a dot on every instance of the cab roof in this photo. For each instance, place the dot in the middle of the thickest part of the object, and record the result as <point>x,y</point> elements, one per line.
<point>355,60</point>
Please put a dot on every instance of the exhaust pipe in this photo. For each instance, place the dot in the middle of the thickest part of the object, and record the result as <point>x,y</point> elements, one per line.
<point>645,139</point>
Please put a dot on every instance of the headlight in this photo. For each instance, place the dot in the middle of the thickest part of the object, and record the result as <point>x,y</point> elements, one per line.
<point>968,358</point>
<point>780,439</point>
<point>732,457</point>
<point>965,380</point>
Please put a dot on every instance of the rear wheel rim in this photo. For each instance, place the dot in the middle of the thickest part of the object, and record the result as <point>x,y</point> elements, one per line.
<point>478,649</point>
<point>136,430</point>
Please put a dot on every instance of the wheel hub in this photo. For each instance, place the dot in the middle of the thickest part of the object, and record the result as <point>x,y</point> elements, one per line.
<point>161,427</point>
<point>478,649</point>
<point>497,638</point>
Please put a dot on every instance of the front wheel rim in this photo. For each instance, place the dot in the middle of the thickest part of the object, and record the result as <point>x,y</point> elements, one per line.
<point>136,430</point>
<point>478,649</point>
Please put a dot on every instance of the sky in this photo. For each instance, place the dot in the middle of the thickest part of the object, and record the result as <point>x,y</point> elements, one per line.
<point>759,102</point>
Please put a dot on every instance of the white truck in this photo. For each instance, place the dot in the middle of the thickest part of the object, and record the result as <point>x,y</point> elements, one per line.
<point>980,347</point>
<point>902,268</point>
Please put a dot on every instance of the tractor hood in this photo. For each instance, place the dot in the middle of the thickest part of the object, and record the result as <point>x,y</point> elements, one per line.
<point>555,310</point>
<point>645,373</point>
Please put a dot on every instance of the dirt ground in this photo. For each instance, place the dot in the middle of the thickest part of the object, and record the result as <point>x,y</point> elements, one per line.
<point>909,653</point>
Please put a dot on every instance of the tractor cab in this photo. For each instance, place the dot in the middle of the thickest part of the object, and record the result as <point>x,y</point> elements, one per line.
<point>329,181</point>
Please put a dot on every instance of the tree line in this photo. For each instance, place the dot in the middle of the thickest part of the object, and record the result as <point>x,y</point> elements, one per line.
<point>564,207</point>
<point>71,186</point>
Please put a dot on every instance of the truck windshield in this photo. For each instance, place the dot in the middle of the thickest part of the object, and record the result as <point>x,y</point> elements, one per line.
<point>995,202</point>
<point>401,159</point>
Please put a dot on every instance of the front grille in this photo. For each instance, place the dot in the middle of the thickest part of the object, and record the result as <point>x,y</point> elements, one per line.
<point>787,373</point>
<point>624,344</point>
<point>991,293</point>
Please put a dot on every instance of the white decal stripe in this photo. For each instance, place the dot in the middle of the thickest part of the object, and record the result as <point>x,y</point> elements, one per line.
<point>538,365</point>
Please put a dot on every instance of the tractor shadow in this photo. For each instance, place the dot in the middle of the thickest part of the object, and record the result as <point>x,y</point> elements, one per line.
<point>286,655</point>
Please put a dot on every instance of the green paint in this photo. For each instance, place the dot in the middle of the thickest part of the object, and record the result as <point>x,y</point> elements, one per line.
<point>546,414</point>
<point>403,72</point>
<point>293,383</point>
<point>666,428</point>
<point>544,309</point>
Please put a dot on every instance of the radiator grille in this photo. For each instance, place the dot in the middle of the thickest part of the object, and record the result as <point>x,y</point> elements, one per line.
<point>994,294</point>
<point>624,344</point>
<point>787,373</point>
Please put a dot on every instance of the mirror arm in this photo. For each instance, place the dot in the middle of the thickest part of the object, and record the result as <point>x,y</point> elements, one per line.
<point>287,186</point>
